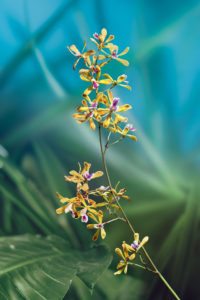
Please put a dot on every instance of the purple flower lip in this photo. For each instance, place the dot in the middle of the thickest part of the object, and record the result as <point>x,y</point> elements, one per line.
<point>114,55</point>
<point>95,84</point>
<point>93,105</point>
<point>114,105</point>
<point>78,55</point>
<point>84,218</point>
<point>83,214</point>
<point>88,176</point>
<point>95,70</point>
<point>95,35</point>
<point>130,127</point>
<point>100,226</point>
<point>134,245</point>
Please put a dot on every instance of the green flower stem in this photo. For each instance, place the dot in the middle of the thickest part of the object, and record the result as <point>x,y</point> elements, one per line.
<point>128,222</point>
<point>137,265</point>
<point>113,220</point>
<point>115,142</point>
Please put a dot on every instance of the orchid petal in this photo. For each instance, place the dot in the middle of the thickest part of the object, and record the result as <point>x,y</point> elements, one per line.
<point>110,38</point>
<point>89,52</point>
<point>124,107</point>
<point>97,174</point>
<point>119,252</point>
<point>87,91</point>
<point>110,96</point>
<point>93,217</point>
<point>123,61</point>
<point>92,124</point>
<point>124,52</point>
<point>103,233</point>
<point>126,86</point>
<point>74,49</point>
<point>95,236</point>
<point>119,272</point>
<point>105,81</point>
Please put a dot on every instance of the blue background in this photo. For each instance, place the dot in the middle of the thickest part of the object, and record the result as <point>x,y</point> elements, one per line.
<point>39,94</point>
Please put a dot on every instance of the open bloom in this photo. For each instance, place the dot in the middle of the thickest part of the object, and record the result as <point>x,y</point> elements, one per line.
<point>100,39</point>
<point>114,54</point>
<point>124,132</point>
<point>88,111</point>
<point>112,108</point>
<point>92,65</point>
<point>120,79</point>
<point>79,206</point>
<point>71,205</point>
<point>126,258</point>
<point>136,244</point>
<point>86,76</point>
<point>89,206</point>
<point>118,194</point>
<point>83,176</point>
<point>99,225</point>
<point>80,55</point>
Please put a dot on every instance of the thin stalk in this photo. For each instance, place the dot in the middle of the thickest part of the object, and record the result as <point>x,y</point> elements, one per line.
<point>127,220</point>
<point>137,265</point>
<point>113,220</point>
<point>115,142</point>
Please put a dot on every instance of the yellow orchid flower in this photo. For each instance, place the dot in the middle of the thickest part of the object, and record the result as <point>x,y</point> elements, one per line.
<point>99,225</point>
<point>123,264</point>
<point>70,206</point>
<point>74,51</point>
<point>107,194</point>
<point>124,132</point>
<point>114,54</point>
<point>83,176</point>
<point>112,108</point>
<point>86,76</point>
<point>120,79</point>
<point>136,245</point>
<point>118,194</point>
<point>93,66</point>
<point>79,202</point>
<point>88,207</point>
<point>101,38</point>
<point>89,112</point>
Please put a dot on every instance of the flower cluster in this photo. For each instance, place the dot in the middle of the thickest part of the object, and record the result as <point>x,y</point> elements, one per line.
<point>129,253</point>
<point>82,206</point>
<point>102,108</point>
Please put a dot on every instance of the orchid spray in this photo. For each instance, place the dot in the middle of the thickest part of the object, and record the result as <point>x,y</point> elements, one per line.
<point>100,108</point>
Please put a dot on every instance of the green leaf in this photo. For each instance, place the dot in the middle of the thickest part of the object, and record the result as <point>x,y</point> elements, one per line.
<point>33,267</point>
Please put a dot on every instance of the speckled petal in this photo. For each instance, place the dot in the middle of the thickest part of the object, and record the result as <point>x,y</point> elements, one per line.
<point>95,236</point>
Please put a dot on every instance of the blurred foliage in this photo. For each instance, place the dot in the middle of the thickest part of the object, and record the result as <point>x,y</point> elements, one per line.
<point>39,93</point>
<point>33,267</point>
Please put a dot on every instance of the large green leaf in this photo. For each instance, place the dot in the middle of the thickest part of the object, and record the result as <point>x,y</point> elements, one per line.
<point>33,267</point>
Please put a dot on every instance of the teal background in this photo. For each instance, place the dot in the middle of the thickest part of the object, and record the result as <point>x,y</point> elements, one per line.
<point>39,94</point>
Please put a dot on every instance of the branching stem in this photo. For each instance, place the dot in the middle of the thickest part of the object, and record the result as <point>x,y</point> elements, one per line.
<point>155,270</point>
<point>112,220</point>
